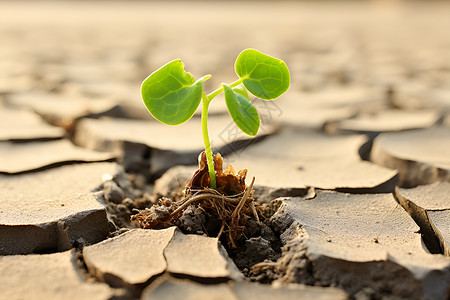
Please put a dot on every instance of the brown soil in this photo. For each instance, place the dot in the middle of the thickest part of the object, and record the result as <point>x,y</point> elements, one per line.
<point>222,212</point>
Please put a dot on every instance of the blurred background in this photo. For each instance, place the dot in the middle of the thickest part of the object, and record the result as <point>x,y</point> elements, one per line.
<point>393,53</point>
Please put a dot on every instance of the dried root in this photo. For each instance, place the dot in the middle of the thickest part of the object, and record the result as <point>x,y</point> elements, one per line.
<point>231,202</point>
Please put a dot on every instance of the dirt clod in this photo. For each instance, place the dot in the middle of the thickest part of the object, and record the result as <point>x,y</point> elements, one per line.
<point>192,220</point>
<point>257,249</point>
<point>113,193</point>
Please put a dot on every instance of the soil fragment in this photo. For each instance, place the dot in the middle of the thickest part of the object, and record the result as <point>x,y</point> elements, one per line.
<point>132,258</point>
<point>321,247</point>
<point>56,208</point>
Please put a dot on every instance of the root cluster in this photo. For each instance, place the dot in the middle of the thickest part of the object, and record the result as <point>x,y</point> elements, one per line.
<point>231,202</point>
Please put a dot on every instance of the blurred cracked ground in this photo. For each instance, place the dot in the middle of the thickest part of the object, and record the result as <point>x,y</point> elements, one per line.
<point>353,163</point>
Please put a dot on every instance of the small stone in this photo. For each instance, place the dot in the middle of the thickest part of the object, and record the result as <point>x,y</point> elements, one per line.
<point>128,203</point>
<point>113,192</point>
<point>173,181</point>
<point>122,180</point>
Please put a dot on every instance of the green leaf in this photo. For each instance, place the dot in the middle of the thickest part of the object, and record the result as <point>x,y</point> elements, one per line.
<point>240,89</point>
<point>242,111</point>
<point>172,95</point>
<point>264,76</point>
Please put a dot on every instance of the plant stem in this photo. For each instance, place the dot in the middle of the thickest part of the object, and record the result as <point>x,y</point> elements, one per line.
<point>205,105</point>
<point>220,90</point>
<point>209,157</point>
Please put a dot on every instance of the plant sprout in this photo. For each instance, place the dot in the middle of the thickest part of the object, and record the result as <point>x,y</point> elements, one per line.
<point>172,95</point>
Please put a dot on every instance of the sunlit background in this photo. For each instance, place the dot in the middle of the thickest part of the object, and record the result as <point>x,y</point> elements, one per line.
<point>67,60</point>
<point>365,76</point>
<point>106,48</point>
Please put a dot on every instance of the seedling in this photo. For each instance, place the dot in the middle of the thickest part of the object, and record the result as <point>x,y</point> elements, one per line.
<point>172,95</point>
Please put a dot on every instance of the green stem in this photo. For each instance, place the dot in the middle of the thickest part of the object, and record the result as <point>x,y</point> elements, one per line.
<point>209,157</point>
<point>220,90</point>
<point>205,105</point>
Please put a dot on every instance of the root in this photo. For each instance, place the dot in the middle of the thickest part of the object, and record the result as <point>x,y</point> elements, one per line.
<point>232,202</point>
<point>233,211</point>
<point>207,195</point>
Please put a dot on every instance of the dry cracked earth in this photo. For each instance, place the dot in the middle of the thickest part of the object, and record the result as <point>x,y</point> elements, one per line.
<point>352,163</point>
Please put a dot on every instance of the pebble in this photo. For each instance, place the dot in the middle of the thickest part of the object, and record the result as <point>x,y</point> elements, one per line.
<point>113,192</point>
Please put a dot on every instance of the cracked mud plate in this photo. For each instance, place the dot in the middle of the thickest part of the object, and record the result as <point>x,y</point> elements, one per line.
<point>52,209</point>
<point>357,242</point>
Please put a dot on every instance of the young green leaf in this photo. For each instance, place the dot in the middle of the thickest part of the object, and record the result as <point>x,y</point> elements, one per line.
<point>172,95</point>
<point>264,76</point>
<point>240,89</point>
<point>242,111</point>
